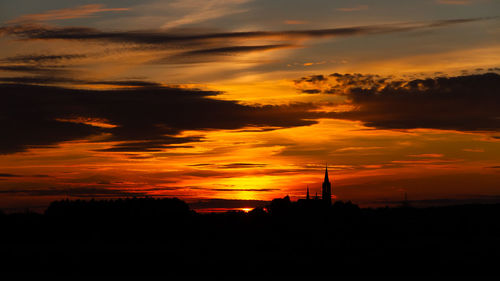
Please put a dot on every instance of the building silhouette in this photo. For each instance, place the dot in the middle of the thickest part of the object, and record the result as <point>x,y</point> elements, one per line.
<point>405,203</point>
<point>326,193</point>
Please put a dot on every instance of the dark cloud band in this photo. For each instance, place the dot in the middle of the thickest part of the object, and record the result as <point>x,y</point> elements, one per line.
<point>146,118</point>
<point>163,37</point>
<point>464,103</point>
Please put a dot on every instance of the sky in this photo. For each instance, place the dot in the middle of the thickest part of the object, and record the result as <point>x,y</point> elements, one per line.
<point>249,100</point>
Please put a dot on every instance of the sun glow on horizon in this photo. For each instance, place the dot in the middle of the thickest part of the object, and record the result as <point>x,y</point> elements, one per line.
<point>246,100</point>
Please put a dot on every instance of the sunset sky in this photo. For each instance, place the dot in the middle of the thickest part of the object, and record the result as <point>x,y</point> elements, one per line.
<point>249,99</point>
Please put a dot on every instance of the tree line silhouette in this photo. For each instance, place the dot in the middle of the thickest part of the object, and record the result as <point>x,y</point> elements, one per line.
<point>164,236</point>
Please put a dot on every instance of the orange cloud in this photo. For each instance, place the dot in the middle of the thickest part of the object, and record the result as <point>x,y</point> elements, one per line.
<point>295,22</point>
<point>473,149</point>
<point>428,155</point>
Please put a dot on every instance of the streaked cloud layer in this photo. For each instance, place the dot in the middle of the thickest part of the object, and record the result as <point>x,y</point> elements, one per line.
<point>248,99</point>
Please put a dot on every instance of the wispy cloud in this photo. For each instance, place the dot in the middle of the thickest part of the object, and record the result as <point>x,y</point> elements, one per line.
<point>241,165</point>
<point>455,2</point>
<point>6,175</point>
<point>63,14</point>
<point>175,47</point>
<point>353,9</point>
<point>38,59</point>
<point>427,155</point>
<point>196,11</point>
<point>217,54</point>
<point>295,22</point>
<point>473,149</point>
<point>161,37</point>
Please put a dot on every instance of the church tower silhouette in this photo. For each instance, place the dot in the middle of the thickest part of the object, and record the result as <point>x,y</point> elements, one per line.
<point>327,188</point>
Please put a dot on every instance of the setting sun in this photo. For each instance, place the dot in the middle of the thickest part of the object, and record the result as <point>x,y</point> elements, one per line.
<point>245,100</point>
<point>250,137</point>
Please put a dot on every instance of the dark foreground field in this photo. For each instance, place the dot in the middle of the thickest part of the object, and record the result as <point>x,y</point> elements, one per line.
<point>162,236</point>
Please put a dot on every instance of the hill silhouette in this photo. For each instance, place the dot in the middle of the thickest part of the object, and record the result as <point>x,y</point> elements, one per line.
<point>141,236</point>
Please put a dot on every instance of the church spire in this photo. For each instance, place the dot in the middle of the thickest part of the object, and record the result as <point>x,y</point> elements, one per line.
<point>327,188</point>
<point>307,192</point>
<point>326,174</point>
